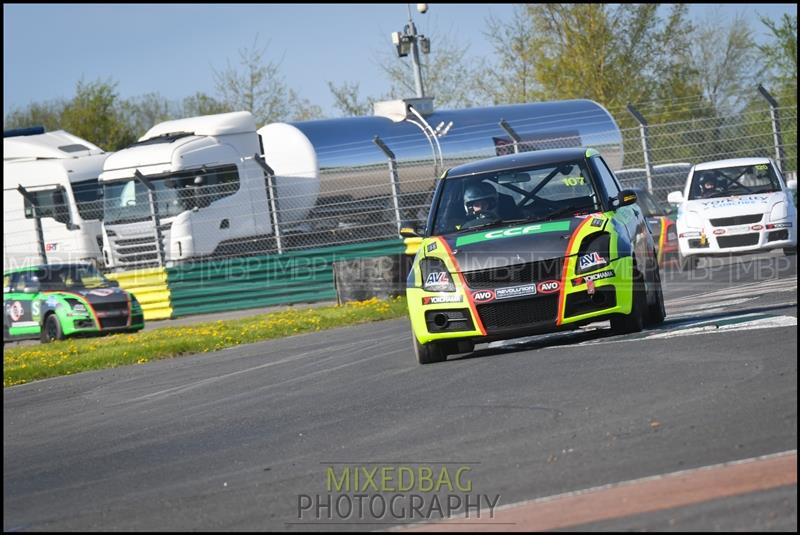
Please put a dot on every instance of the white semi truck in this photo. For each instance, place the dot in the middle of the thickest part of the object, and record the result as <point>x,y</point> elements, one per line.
<point>51,198</point>
<point>199,187</point>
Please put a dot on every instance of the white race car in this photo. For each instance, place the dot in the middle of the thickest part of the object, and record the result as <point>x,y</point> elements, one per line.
<point>735,206</point>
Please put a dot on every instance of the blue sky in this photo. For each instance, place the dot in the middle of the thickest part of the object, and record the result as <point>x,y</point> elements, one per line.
<point>171,49</point>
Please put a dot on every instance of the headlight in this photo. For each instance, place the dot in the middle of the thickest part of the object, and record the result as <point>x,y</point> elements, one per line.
<point>693,220</point>
<point>77,306</point>
<point>435,276</point>
<point>594,253</point>
<point>778,212</point>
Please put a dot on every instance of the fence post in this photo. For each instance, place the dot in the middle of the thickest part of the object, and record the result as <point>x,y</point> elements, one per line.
<point>38,222</point>
<point>512,134</point>
<point>151,197</point>
<point>777,136</point>
<point>273,206</point>
<point>644,132</point>
<point>393,178</point>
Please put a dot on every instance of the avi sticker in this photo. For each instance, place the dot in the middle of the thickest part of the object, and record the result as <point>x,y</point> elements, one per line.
<point>590,260</point>
<point>431,247</point>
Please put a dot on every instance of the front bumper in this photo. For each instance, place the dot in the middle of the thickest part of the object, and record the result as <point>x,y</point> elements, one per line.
<point>463,319</point>
<point>734,240</point>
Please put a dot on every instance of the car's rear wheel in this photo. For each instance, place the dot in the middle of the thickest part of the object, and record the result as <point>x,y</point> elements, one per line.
<point>52,329</point>
<point>430,352</point>
<point>633,322</point>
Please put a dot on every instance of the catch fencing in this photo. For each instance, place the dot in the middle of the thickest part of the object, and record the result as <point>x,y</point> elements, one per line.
<point>364,204</point>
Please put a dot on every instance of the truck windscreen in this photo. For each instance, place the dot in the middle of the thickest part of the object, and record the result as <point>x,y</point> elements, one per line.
<point>127,201</point>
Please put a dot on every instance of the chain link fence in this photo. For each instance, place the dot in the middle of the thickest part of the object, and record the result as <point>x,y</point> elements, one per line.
<point>366,203</point>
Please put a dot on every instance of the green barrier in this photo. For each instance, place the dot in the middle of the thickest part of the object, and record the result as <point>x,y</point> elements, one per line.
<point>253,282</point>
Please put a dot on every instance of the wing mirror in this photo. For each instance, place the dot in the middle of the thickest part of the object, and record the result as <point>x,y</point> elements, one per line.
<point>675,197</point>
<point>792,185</point>
<point>626,197</point>
<point>408,230</point>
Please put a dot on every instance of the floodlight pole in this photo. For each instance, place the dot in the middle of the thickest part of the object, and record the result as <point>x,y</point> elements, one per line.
<point>411,32</point>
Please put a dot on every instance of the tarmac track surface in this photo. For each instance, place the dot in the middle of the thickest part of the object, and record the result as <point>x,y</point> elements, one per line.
<point>231,440</point>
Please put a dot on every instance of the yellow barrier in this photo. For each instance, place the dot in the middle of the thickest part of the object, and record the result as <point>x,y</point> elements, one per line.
<point>150,288</point>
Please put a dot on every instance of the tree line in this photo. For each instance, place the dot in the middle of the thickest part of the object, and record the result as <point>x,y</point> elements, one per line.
<point>649,54</point>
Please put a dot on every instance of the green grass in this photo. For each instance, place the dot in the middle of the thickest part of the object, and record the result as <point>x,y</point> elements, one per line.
<point>29,363</point>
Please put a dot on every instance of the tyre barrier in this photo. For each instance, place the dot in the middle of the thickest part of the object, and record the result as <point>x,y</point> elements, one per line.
<point>151,289</point>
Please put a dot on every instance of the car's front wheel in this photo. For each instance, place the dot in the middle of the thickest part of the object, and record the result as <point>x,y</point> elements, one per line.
<point>633,322</point>
<point>790,251</point>
<point>52,329</point>
<point>430,352</point>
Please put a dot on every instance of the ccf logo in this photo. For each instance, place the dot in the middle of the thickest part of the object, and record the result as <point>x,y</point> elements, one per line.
<point>548,287</point>
<point>483,296</point>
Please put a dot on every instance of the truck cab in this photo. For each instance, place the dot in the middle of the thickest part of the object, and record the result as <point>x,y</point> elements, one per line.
<point>189,188</point>
<point>58,173</point>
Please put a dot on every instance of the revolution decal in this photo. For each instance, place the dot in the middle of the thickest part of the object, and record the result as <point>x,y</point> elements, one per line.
<point>516,291</point>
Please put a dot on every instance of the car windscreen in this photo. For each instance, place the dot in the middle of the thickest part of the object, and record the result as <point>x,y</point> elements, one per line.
<point>71,277</point>
<point>729,181</point>
<point>525,194</point>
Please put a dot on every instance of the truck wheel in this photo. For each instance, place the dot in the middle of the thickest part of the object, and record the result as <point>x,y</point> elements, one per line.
<point>52,329</point>
<point>430,352</point>
<point>633,322</point>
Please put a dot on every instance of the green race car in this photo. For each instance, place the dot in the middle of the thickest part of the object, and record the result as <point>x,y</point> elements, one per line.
<point>526,244</point>
<point>54,301</point>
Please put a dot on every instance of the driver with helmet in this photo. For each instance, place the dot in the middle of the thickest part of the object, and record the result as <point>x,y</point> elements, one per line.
<point>480,204</point>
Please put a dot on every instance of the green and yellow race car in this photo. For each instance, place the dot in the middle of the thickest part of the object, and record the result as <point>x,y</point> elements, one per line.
<point>54,301</point>
<point>530,243</point>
